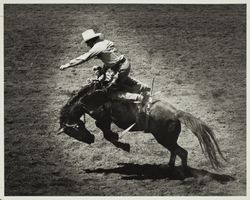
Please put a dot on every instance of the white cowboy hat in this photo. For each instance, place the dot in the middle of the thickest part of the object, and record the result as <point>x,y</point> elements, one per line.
<point>89,34</point>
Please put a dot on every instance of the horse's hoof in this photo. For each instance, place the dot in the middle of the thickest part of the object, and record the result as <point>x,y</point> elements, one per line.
<point>111,136</point>
<point>89,140</point>
<point>171,166</point>
<point>185,167</point>
<point>126,147</point>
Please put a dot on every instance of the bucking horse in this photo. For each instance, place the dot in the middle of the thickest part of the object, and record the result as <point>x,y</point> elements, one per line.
<point>162,120</point>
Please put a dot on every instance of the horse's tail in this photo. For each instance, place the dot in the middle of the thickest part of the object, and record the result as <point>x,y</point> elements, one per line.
<point>205,136</point>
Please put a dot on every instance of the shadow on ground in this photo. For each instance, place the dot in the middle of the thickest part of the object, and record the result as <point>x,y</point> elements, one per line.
<point>148,171</point>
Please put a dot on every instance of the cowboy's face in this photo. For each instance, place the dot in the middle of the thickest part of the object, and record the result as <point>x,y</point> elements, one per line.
<point>89,43</point>
<point>92,42</point>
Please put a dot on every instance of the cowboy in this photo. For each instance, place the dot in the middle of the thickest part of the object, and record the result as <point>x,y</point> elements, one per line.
<point>112,59</point>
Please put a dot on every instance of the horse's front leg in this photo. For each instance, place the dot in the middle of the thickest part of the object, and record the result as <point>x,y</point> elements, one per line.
<point>111,136</point>
<point>105,126</point>
<point>103,121</point>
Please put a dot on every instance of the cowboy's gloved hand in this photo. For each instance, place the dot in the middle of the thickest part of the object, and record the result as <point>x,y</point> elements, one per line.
<point>62,67</point>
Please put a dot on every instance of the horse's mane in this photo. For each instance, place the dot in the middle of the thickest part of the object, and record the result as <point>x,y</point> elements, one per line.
<point>75,97</point>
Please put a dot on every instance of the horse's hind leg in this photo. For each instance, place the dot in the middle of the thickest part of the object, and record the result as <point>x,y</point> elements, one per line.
<point>182,153</point>
<point>171,162</point>
<point>176,150</point>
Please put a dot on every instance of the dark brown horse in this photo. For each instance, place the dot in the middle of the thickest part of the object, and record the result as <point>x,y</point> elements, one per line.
<point>164,122</point>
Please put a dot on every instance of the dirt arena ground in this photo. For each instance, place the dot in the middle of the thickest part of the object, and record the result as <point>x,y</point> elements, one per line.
<point>196,52</point>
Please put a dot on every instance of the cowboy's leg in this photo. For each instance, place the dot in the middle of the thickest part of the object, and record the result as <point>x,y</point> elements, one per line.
<point>121,82</point>
<point>131,84</point>
<point>136,85</point>
<point>118,95</point>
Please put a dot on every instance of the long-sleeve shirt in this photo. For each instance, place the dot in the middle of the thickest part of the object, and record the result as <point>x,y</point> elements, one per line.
<point>104,50</point>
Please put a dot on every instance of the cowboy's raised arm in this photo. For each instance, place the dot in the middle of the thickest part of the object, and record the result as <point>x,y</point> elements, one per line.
<point>79,60</point>
<point>83,58</point>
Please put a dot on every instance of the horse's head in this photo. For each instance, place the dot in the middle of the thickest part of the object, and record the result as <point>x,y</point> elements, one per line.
<point>84,101</point>
<point>79,132</point>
